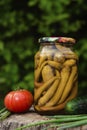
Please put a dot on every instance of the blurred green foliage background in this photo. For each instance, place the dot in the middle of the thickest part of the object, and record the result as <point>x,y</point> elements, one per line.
<point>22,22</point>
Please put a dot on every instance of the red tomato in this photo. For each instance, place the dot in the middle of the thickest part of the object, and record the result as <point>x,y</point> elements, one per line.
<point>18,101</point>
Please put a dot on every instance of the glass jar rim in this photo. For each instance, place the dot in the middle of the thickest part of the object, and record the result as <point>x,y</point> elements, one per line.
<point>56,40</point>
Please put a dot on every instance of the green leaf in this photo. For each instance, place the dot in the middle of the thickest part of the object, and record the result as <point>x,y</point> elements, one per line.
<point>1,46</point>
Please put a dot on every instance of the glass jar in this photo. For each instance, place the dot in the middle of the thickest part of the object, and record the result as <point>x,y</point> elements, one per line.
<point>56,74</point>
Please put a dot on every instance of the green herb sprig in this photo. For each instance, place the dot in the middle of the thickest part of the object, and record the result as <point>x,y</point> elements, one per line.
<point>4,113</point>
<point>60,122</point>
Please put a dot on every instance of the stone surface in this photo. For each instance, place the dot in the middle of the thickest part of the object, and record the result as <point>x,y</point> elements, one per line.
<point>16,120</point>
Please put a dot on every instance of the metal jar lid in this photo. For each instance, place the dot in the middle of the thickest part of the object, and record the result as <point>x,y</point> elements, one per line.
<point>56,40</point>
